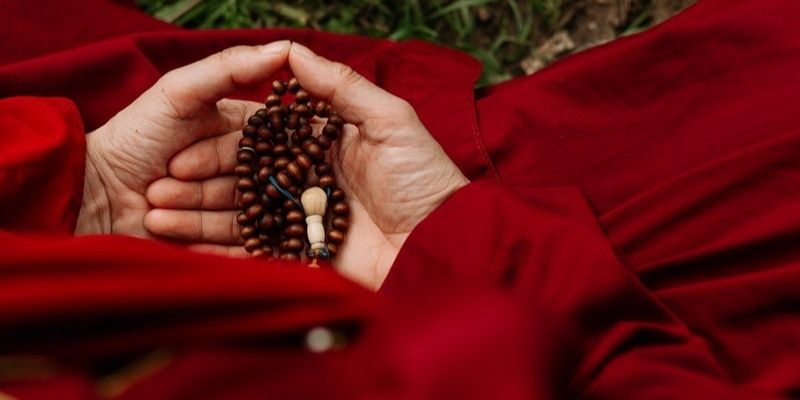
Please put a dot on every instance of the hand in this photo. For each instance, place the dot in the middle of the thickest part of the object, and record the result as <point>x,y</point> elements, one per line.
<point>135,147</point>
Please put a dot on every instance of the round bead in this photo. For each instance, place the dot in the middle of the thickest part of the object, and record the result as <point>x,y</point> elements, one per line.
<point>283,179</point>
<point>281,149</point>
<point>279,220</point>
<point>267,249</point>
<point>293,85</point>
<point>337,195</point>
<point>247,231</point>
<point>295,216</point>
<point>262,113</point>
<point>295,171</point>
<point>325,142</point>
<point>301,97</point>
<point>272,100</point>
<point>321,109</point>
<point>333,249</point>
<point>266,161</point>
<point>289,205</point>
<point>259,252</point>
<point>290,256</point>
<point>264,147</point>
<point>284,246</point>
<point>331,131</point>
<point>341,208</point>
<point>295,149</point>
<point>314,151</point>
<point>278,88</point>
<point>272,192</point>
<point>248,198</point>
<point>246,156</point>
<point>252,244</point>
<point>281,137</point>
<point>264,133</point>
<point>247,141</point>
<point>336,120</point>
<point>255,120</point>
<point>250,131</point>
<point>295,230</point>
<point>276,109</point>
<point>245,184</point>
<point>265,201</point>
<point>281,163</point>
<point>293,121</point>
<point>243,170</point>
<point>295,244</point>
<point>304,161</point>
<point>340,223</point>
<point>241,218</point>
<point>323,169</point>
<point>326,181</point>
<point>303,110</point>
<point>263,174</point>
<point>304,131</point>
<point>335,236</point>
<point>276,122</point>
<point>254,211</point>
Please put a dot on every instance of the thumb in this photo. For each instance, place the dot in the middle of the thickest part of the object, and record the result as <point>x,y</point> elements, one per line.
<point>354,97</point>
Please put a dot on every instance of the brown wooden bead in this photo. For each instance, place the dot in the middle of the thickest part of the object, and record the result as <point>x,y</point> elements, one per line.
<point>263,148</point>
<point>252,244</point>
<point>245,184</point>
<point>265,201</point>
<point>294,190</point>
<point>263,174</point>
<point>278,88</point>
<point>295,149</point>
<point>283,179</point>
<point>267,249</point>
<point>281,163</point>
<point>295,216</point>
<point>295,230</point>
<point>250,131</point>
<point>245,156</point>
<point>337,194</point>
<point>247,231</point>
<point>257,253</point>
<point>293,85</point>
<point>266,161</point>
<point>272,100</point>
<point>304,161</point>
<point>333,249</point>
<point>336,120</point>
<point>284,246</point>
<point>276,122</point>
<point>340,223</point>
<point>266,222</point>
<point>241,218</point>
<point>255,120</point>
<point>262,113</point>
<point>281,137</point>
<point>276,109</point>
<point>341,208</point>
<point>248,198</point>
<point>303,110</point>
<point>294,171</point>
<point>290,256</point>
<point>264,133</point>
<point>254,211</point>
<point>295,244</point>
<point>265,237</point>
<point>323,169</point>
<point>243,170</point>
<point>293,121</point>
<point>289,205</point>
<point>304,131</point>
<point>326,181</point>
<point>325,142</point>
<point>314,151</point>
<point>331,131</point>
<point>321,109</point>
<point>301,97</point>
<point>281,149</point>
<point>247,141</point>
<point>272,192</point>
<point>335,236</point>
<point>279,219</point>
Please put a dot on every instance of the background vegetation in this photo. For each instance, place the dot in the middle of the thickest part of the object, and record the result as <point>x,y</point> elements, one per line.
<point>509,37</point>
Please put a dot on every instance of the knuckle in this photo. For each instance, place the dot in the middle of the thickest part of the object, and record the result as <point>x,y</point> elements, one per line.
<point>347,73</point>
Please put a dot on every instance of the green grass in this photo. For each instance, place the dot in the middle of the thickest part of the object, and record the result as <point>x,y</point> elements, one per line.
<point>499,33</point>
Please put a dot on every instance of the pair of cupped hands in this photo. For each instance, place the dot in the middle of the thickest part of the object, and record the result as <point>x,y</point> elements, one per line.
<point>163,166</point>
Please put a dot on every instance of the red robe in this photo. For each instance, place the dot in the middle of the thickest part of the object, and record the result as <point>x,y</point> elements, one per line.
<point>632,229</point>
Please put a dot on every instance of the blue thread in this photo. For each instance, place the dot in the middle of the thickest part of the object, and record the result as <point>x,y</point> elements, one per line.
<point>284,192</point>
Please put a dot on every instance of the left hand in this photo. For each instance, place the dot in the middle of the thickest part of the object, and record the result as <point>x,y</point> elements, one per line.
<point>136,148</point>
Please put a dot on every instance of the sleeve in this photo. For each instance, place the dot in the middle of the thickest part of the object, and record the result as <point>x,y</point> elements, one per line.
<point>42,163</point>
<point>534,284</point>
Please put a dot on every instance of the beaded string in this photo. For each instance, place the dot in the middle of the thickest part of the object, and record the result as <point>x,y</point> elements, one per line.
<point>281,160</point>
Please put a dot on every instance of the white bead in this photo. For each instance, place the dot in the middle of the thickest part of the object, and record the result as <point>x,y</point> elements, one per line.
<point>314,201</point>
<point>315,230</point>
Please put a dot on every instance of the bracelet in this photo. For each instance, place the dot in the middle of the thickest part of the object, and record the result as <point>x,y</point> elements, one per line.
<point>284,179</point>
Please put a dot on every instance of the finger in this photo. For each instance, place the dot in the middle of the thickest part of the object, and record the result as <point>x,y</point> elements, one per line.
<point>217,193</point>
<point>233,114</point>
<point>195,88</point>
<point>220,250</point>
<point>193,225</point>
<point>354,97</point>
<point>206,158</point>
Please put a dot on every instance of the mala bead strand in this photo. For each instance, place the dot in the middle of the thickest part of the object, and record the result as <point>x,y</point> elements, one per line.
<point>281,215</point>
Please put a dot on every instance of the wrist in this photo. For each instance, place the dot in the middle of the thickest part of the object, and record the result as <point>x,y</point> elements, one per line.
<point>95,213</point>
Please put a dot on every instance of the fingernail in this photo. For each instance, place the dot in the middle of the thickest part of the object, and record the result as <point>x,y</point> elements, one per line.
<point>301,50</point>
<point>275,47</point>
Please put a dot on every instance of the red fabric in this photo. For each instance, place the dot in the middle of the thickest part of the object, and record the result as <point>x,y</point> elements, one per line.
<point>636,235</point>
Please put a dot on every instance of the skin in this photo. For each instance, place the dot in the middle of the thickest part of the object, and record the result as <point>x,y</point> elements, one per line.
<point>162,167</point>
